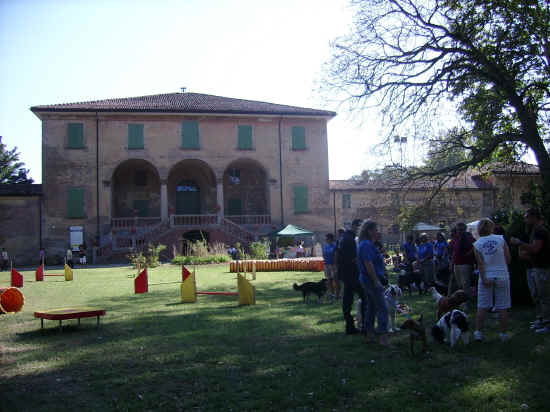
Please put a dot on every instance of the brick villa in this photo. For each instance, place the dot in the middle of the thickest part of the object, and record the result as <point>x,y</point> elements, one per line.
<point>160,168</point>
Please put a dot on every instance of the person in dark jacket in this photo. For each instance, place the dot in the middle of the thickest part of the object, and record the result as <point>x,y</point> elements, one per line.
<point>349,274</point>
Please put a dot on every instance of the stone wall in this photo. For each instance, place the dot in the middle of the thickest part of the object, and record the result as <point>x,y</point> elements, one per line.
<point>20,228</point>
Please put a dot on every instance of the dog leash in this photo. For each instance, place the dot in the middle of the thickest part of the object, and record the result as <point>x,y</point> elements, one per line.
<point>396,306</point>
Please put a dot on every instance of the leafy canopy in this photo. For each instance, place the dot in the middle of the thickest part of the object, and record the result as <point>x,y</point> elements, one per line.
<point>11,169</point>
<point>487,59</point>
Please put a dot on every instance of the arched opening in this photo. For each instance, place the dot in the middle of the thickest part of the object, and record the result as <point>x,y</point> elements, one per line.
<point>136,190</point>
<point>191,188</point>
<point>245,192</point>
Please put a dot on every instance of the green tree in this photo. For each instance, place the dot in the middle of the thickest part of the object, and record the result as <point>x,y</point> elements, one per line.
<point>489,59</point>
<point>11,169</point>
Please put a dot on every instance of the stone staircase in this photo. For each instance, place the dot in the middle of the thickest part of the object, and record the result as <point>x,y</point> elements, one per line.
<point>169,233</point>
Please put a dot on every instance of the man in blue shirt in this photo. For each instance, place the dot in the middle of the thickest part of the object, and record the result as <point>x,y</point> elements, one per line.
<point>330,266</point>
<point>409,252</point>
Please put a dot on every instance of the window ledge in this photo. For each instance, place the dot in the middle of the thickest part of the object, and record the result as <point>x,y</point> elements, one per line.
<point>302,213</point>
<point>253,149</point>
<point>299,150</point>
<point>189,148</point>
<point>75,148</point>
<point>135,148</point>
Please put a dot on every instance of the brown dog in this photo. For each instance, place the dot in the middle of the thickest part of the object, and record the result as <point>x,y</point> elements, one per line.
<point>447,304</point>
<point>417,331</point>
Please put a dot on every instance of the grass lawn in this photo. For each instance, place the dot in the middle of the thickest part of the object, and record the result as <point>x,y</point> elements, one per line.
<point>153,353</point>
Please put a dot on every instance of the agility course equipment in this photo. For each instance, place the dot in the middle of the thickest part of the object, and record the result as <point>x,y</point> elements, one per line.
<point>11,300</point>
<point>39,274</point>
<point>16,279</point>
<point>189,290</point>
<point>69,313</point>
<point>277,265</point>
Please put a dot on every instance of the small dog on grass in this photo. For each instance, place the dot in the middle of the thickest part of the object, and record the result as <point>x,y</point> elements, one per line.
<point>446,304</point>
<point>309,288</point>
<point>417,331</point>
<point>451,327</point>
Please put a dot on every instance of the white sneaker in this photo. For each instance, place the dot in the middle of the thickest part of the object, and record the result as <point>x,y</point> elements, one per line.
<point>478,336</point>
<point>504,337</point>
<point>542,330</point>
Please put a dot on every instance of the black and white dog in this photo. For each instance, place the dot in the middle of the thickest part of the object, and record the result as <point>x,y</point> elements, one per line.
<point>390,294</point>
<point>451,327</point>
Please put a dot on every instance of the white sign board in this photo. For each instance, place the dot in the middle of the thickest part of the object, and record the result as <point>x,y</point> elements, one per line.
<point>76,237</point>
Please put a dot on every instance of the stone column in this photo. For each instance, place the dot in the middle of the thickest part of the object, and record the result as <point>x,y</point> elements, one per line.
<point>219,199</point>
<point>164,200</point>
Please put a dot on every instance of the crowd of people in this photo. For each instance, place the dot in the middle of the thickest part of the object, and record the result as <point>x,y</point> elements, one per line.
<point>356,261</point>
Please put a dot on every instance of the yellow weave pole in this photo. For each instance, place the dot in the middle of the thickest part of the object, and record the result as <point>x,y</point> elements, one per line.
<point>254,270</point>
<point>247,292</point>
<point>189,289</point>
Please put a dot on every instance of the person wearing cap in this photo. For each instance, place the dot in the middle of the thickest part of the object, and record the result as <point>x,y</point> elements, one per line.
<point>537,253</point>
<point>349,274</point>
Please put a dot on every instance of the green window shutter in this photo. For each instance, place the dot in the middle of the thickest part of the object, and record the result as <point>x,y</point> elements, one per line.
<point>245,137</point>
<point>75,132</point>
<point>135,136</point>
<point>75,203</point>
<point>300,199</point>
<point>298,138</point>
<point>346,201</point>
<point>190,135</point>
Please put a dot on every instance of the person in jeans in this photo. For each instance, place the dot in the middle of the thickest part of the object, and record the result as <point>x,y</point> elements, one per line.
<point>372,272</point>
<point>463,261</point>
<point>537,253</point>
<point>493,257</point>
<point>348,274</point>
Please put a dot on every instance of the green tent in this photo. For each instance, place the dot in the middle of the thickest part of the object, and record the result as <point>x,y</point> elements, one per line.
<point>291,231</point>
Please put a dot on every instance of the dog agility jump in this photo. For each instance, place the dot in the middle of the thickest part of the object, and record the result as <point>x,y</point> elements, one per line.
<point>189,292</point>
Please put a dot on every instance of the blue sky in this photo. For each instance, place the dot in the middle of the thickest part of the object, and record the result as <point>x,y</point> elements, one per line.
<point>57,51</point>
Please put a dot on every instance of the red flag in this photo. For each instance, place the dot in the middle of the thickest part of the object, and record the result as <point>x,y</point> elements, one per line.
<point>184,273</point>
<point>16,279</point>
<point>40,273</point>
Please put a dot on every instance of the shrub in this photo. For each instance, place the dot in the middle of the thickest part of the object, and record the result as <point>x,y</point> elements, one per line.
<point>259,250</point>
<point>200,253</point>
<point>148,259</point>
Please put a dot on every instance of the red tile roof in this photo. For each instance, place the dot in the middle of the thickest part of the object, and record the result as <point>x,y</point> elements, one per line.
<point>468,180</point>
<point>183,103</point>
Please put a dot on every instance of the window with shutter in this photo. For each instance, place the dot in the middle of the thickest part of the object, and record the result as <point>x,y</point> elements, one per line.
<point>298,138</point>
<point>245,137</point>
<point>75,203</point>
<point>190,135</point>
<point>75,133</point>
<point>300,199</point>
<point>135,136</point>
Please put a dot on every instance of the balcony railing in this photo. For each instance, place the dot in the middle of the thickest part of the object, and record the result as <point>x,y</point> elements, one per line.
<point>250,219</point>
<point>193,220</point>
<point>129,222</point>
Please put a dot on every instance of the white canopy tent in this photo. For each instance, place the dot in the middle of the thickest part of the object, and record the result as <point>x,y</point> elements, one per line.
<point>425,227</point>
<point>472,228</point>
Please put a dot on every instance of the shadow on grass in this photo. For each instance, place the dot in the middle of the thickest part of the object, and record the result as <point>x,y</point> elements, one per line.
<point>154,353</point>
